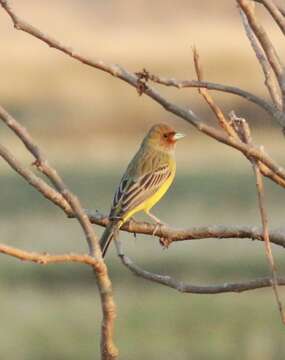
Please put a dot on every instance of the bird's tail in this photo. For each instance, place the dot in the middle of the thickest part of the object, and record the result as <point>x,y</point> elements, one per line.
<point>108,236</point>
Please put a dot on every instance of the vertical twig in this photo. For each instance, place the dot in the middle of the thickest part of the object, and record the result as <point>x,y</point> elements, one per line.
<point>266,44</point>
<point>243,130</point>
<point>108,348</point>
<point>275,13</point>
<point>270,81</point>
<point>204,92</point>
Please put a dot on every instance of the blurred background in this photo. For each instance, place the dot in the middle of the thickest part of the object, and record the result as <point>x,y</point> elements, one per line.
<point>89,126</point>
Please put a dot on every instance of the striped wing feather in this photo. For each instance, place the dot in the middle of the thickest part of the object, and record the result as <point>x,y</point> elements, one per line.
<point>133,192</point>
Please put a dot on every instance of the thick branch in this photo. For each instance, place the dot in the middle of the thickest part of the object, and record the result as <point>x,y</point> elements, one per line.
<point>211,231</point>
<point>194,233</point>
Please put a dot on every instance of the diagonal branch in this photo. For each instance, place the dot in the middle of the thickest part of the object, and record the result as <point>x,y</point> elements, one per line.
<point>224,124</point>
<point>278,115</point>
<point>268,251</point>
<point>132,79</point>
<point>279,7</point>
<point>276,13</point>
<point>266,44</point>
<point>172,234</point>
<point>270,82</point>
<point>243,130</point>
<point>195,289</point>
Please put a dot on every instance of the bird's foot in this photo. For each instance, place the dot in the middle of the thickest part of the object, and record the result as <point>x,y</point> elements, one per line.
<point>131,222</point>
<point>165,242</point>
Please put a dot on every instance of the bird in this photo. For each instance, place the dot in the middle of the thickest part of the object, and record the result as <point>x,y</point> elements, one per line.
<point>146,179</point>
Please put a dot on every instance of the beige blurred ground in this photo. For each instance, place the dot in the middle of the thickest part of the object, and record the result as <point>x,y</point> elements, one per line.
<point>89,125</point>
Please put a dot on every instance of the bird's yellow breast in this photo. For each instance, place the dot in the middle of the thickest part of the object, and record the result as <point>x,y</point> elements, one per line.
<point>152,200</point>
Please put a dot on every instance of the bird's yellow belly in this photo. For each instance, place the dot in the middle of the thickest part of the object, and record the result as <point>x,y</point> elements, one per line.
<point>149,203</point>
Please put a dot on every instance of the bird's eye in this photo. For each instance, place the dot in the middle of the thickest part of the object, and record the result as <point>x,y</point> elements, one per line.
<point>165,136</point>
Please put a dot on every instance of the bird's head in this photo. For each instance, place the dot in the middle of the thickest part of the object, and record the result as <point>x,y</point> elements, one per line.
<point>162,137</point>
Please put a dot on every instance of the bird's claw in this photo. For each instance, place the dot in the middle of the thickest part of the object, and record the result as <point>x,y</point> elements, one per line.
<point>165,242</point>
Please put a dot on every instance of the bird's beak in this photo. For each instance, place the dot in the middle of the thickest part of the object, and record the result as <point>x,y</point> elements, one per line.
<point>178,136</point>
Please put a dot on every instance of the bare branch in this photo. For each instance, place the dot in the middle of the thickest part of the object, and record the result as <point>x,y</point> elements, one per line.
<point>197,289</point>
<point>204,92</point>
<point>45,258</point>
<point>108,348</point>
<point>276,13</point>
<point>204,232</point>
<point>122,74</point>
<point>39,184</point>
<point>245,135</point>
<point>278,115</point>
<point>270,82</point>
<point>280,8</point>
<point>268,251</point>
<point>266,44</point>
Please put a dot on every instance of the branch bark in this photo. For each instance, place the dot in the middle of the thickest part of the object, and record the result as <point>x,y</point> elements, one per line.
<point>277,13</point>
<point>197,289</point>
<point>270,82</point>
<point>62,197</point>
<point>133,80</point>
<point>266,44</point>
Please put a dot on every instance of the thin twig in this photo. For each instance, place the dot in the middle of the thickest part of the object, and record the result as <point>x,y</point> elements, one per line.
<point>276,13</point>
<point>280,8</point>
<point>266,44</point>
<point>197,289</point>
<point>204,92</point>
<point>268,251</point>
<point>270,82</point>
<point>245,135</point>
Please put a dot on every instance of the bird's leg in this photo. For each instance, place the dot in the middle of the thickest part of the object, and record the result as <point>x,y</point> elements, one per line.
<point>157,220</point>
<point>159,223</point>
<point>132,220</point>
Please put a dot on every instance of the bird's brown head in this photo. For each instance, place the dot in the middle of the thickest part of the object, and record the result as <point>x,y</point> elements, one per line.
<point>162,137</point>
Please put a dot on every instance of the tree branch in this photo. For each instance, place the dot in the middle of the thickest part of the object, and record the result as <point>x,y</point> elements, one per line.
<point>266,44</point>
<point>222,121</point>
<point>276,13</point>
<point>133,80</point>
<point>270,82</point>
<point>197,289</point>
<point>45,258</point>
<point>244,132</point>
<point>280,8</point>
<point>277,114</point>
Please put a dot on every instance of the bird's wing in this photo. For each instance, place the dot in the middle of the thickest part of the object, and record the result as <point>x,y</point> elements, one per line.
<point>132,192</point>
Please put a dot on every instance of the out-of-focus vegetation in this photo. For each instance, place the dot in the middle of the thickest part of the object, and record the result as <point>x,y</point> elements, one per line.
<point>75,113</point>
